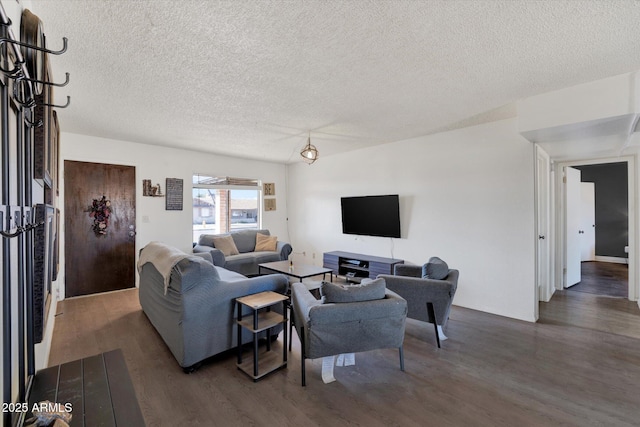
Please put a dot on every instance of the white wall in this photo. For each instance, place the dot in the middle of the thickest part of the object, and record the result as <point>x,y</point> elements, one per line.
<point>157,164</point>
<point>466,196</point>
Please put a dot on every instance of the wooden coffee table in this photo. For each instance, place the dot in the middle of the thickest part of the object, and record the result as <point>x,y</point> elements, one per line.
<point>299,271</point>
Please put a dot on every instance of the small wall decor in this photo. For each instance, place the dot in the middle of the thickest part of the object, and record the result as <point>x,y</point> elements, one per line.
<point>269,204</point>
<point>100,210</point>
<point>174,194</point>
<point>151,190</point>
<point>269,189</point>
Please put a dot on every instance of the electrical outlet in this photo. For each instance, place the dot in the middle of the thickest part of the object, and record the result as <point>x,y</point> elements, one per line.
<point>313,256</point>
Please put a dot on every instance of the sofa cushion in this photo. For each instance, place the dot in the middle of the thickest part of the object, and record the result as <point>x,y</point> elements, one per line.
<point>225,244</point>
<point>435,269</point>
<point>265,242</point>
<point>367,290</point>
<point>246,239</point>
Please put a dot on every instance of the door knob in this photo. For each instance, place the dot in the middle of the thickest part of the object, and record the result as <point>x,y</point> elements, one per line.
<point>132,233</point>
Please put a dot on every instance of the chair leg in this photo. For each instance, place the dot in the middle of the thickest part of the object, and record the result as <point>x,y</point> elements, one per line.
<point>401,352</point>
<point>302,359</point>
<point>432,315</point>
<point>290,324</point>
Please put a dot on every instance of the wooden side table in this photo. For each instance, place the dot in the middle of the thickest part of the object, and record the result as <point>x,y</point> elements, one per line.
<point>262,319</point>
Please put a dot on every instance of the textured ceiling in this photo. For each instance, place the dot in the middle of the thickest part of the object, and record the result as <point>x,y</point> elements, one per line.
<point>251,78</point>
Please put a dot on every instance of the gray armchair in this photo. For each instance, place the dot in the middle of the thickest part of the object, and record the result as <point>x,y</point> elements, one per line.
<point>429,300</point>
<point>327,329</point>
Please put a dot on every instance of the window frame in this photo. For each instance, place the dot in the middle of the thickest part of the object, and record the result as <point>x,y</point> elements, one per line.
<point>228,184</point>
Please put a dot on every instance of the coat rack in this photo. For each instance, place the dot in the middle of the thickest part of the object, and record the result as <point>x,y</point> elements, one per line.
<point>20,72</point>
<point>28,234</point>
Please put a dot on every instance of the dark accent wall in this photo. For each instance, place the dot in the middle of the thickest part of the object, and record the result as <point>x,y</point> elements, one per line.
<point>612,206</point>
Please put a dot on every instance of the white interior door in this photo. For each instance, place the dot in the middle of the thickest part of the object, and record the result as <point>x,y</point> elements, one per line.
<point>587,221</point>
<point>543,202</point>
<point>572,228</point>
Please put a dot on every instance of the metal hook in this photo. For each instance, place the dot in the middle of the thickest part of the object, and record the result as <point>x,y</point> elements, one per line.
<point>32,226</point>
<point>13,73</point>
<point>49,83</point>
<point>33,124</point>
<point>21,229</point>
<point>30,103</point>
<point>41,49</point>
<point>10,235</point>
<point>58,106</point>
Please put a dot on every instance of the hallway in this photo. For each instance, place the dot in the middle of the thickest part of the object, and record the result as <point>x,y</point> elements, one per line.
<point>604,279</point>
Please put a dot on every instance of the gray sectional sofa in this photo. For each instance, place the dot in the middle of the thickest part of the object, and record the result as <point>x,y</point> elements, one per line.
<point>193,310</point>
<point>246,262</point>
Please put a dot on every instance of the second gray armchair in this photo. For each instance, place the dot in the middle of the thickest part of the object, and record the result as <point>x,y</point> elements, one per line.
<point>428,300</point>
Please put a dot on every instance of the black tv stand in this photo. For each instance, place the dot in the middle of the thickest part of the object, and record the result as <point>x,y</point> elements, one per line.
<point>356,267</point>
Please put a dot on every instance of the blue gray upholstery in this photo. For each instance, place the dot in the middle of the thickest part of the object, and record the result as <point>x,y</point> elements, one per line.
<point>246,262</point>
<point>367,290</point>
<point>408,283</point>
<point>435,268</point>
<point>327,329</point>
<point>196,316</point>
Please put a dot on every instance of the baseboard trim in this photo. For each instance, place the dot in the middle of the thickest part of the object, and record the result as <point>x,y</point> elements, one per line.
<point>617,260</point>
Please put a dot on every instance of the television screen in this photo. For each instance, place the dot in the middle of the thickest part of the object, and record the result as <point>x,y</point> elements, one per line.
<point>371,215</point>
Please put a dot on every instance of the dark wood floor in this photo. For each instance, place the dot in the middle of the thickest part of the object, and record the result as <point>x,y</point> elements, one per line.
<point>603,278</point>
<point>578,366</point>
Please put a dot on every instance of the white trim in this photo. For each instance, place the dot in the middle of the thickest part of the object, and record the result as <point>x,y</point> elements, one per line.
<point>543,293</point>
<point>613,259</point>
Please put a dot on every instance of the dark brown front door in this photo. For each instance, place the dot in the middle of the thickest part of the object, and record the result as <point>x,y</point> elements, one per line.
<point>99,238</point>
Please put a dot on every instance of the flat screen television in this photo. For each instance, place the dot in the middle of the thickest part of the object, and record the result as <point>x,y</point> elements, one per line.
<point>371,215</point>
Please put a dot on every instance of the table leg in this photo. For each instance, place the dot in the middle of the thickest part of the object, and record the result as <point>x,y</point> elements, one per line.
<point>284,348</point>
<point>255,344</point>
<point>269,335</point>
<point>239,317</point>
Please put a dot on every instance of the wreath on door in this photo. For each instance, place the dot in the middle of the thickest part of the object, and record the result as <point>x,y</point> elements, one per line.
<point>100,210</point>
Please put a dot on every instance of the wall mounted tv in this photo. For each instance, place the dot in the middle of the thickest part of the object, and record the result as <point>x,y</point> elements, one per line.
<point>371,215</point>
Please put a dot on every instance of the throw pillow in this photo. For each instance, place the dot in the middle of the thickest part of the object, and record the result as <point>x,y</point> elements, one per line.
<point>367,290</point>
<point>265,243</point>
<point>435,269</point>
<point>226,245</point>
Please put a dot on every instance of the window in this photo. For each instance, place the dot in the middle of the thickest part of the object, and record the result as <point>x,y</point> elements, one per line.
<point>223,204</point>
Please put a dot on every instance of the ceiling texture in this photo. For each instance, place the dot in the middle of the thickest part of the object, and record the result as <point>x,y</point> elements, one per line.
<point>253,78</point>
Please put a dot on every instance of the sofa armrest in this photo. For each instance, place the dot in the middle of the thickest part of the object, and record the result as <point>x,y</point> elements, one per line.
<point>228,291</point>
<point>302,301</point>
<point>284,249</point>
<point>216,254</point>
<point>204,255</point>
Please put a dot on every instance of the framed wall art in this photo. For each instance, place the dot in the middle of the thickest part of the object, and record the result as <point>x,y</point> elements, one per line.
<point>173,194</point>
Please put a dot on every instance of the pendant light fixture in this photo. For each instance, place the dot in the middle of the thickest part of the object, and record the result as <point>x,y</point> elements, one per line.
<point>309,153</point>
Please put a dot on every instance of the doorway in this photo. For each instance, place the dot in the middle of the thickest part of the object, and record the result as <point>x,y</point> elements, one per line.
<point>609,267</point>
<point>99,218</point>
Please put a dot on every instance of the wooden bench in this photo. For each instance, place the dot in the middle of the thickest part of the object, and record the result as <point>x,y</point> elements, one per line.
<point>98,388</point>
